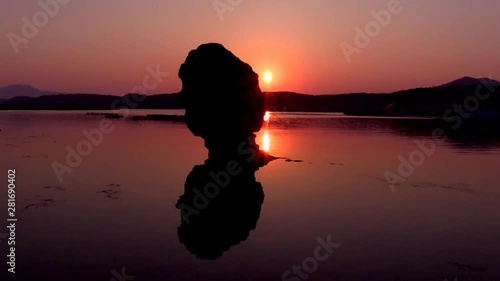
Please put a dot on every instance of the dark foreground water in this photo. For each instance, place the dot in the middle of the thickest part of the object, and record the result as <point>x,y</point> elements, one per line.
<point>328,212</point>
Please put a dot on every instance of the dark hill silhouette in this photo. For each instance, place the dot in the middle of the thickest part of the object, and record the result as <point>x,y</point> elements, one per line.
<point>469,81</point>
<point>432,101</point>
<point>62,102</point>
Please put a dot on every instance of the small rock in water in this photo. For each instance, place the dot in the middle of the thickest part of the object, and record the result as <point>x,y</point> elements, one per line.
<point>56,187</point>
<point>110,194</point>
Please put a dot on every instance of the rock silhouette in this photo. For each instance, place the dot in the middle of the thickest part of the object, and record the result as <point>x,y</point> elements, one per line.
<point>217,218</point>
<point>225,106</point>
<point>221,94</point>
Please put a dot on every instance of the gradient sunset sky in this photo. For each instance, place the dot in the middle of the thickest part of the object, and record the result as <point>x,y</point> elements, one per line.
<point>98,46</point>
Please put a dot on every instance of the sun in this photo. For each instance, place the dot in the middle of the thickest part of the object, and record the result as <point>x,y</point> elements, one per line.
<point>268,76</point>
<point>267,116</point>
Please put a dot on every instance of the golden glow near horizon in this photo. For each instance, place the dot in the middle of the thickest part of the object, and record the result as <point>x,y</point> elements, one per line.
<point>267,116</point>
<point>268,76</point>
<point>315,64</point>
<point>266,142</point>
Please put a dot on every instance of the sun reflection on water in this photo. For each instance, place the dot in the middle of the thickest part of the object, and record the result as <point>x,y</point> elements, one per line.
<point>266,141</point>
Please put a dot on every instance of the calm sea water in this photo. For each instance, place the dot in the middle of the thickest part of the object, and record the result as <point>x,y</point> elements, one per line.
<point>114,211</point>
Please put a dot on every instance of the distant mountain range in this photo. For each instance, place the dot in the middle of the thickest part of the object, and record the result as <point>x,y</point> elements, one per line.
<point>432,101</point>
<point>12,91</point>
<point>470,81</point>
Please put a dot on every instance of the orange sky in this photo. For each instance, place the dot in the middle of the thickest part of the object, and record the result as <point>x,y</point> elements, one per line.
<point>105,46</point>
